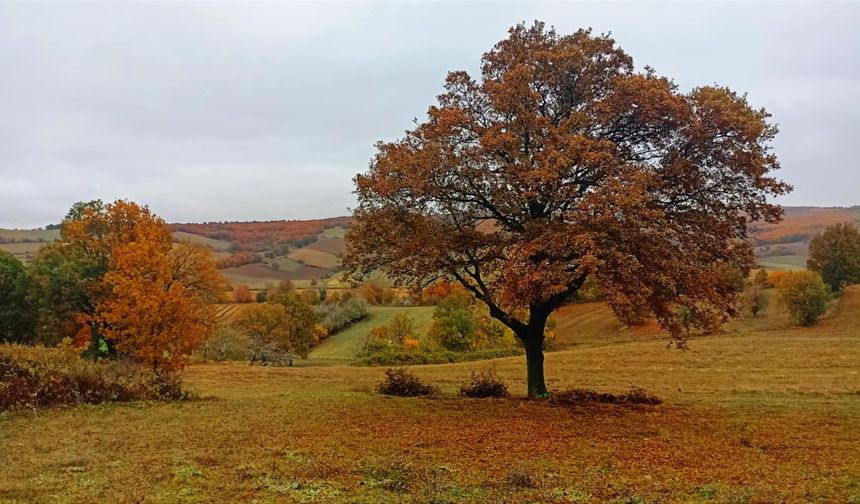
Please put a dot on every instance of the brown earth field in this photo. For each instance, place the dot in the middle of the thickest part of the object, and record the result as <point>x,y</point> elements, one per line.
<point>766,414</point>
<point>257,271</point>
<point>334,246</point>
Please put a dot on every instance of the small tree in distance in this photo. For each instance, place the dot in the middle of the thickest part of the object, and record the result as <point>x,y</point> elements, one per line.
<point>242,294</point>
<point>755,298</point>
<point>804,295</point>
<point>835,255</point>
<point>560,162</point>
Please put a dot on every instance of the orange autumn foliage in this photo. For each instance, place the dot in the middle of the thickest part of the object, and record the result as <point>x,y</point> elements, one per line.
<point>262,235</point>
<point>439,290</point>
<point>242,294</point>
<point>155,301</point>
<point>240,258</point>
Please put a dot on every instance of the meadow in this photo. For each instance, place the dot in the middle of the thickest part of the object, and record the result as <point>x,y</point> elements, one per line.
<point>762,413</point>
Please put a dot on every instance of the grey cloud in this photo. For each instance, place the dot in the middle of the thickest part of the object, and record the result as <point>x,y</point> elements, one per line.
<point>214,111</point>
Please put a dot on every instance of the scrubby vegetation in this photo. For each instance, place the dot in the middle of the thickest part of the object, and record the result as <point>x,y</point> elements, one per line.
<point>338,315</point>
<point>756,296</point>
<point>278,330</point>
<point>226,344</point>
<point>400,382</point>
<point>37,377</point>
<point>636,395</point>
<point>462,330</point>
<point>484,384</point>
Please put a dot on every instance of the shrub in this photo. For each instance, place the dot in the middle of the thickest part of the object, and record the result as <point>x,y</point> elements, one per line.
<point>484,384</point>
<point>761,278</point>
<point>377,291</point>
<point>636,395</point>
<point>242,294</point>
<point>460,325</point>
<point>280,328</point>
<point>755,295</point>
<point>775,278</point>
<point>225,344</point>
<point>401,328</point>
<point>804,295</point>
<point>36,377</point>
<point>400,382</point>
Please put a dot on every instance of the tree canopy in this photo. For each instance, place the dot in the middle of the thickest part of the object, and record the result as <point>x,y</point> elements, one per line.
<point>17,317</point>
<point>115,278</point>
<point>835,254</point>
<point>562,161</point>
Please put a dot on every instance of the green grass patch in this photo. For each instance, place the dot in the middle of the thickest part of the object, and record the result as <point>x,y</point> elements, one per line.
<point>346,343</point>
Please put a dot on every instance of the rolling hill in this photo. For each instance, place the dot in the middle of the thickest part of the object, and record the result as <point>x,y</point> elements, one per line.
<point>301,251</point>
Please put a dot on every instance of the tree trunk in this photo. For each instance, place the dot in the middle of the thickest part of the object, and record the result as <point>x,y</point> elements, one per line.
<point>95,339</point>
<point>534,365</point>
<point>532,339</point>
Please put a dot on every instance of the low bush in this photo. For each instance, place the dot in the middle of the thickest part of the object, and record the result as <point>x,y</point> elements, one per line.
<point>36,377</point>
<point>400,382</point>
<point>484,384</point>
<point>225,344</point>
<point>636,395</point>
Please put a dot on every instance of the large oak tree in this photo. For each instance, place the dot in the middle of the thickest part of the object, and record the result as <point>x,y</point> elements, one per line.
<point>563,162</point>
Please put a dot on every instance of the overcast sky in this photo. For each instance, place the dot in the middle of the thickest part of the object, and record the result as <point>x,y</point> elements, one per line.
<point>242,111</point>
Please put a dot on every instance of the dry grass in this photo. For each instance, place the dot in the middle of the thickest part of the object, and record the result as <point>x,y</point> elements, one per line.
<point>755,416</point>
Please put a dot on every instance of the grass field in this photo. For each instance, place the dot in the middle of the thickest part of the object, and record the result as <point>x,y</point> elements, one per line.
<point>314,257</point>
<point>45,235</point>
<point>755,417</point>
<point>345,344</point>
<point>784,263</point>
<point>287,264</point>
<point>334,232</point>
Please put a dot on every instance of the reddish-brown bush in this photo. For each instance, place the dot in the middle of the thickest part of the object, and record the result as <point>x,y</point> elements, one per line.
<point>400,382</point>
<point>36,377</point>
<point>484,384</point>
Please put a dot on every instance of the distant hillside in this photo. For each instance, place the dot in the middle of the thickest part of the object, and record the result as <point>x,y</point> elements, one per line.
<point>785,246</point>
<point>802,223</point>
<point>261,253</point>
<point>258,254</point>
<point>260,236</point>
